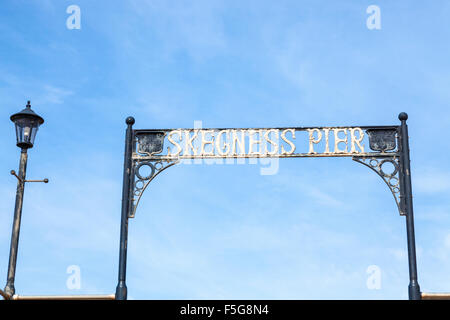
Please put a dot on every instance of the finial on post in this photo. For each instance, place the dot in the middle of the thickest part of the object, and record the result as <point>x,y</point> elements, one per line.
<point>403,116</point>
<point>130,121</point>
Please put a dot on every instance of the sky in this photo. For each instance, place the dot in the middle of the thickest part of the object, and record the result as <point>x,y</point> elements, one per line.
<point>314,230</point>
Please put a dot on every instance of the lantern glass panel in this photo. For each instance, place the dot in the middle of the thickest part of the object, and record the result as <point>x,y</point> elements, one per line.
<point>26,129</point>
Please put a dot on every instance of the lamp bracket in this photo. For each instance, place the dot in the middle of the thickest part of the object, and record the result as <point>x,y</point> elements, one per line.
<point>18,178</point>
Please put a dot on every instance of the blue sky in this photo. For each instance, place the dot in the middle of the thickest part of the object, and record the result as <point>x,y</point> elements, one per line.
<point>224,231</point>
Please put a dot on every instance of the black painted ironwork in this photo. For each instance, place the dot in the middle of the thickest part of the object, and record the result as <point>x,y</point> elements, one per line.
<point>121,289</point>
<point>389,147</point>
<point>139,186</point>
<point>391,179</point>
<point>382,140</point>
<point>406,189</point>
<point>150,143</point>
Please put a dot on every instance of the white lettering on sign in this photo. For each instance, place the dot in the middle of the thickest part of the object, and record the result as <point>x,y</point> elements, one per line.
<point>270,142</point>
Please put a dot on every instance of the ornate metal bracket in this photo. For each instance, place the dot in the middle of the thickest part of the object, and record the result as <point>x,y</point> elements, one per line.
<point>142,181</point>
<point>18,178</point>
<point>146,144</point>
<point>382,140</point>
<point>391,179</point>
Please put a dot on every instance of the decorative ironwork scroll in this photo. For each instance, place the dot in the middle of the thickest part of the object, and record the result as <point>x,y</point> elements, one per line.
<point>156,150</point>
<point>391,179</point>
<point>144,171</point>
<point>383,140</point>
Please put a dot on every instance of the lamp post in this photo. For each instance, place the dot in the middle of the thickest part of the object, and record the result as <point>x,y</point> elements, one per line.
<point>413,288</point>
<point>27,123</point>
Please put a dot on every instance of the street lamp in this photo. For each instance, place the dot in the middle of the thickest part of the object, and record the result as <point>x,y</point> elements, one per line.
<point>27,123</point>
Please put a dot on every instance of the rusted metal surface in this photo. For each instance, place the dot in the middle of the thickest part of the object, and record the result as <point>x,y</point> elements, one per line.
<point>18,178</point>
<point>13,172</point>
<point>246,156</point>
<point>9,288</point>
<point>43,180</point>
<point>4,295</point>
<point>68,297</point>
<point>435,296</point>
<point>150,143</point>
<point>382,139</point>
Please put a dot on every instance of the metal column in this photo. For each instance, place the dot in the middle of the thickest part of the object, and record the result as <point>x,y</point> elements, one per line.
<point>121,289</point>
<point>413,288</point>
<point>9,288</point>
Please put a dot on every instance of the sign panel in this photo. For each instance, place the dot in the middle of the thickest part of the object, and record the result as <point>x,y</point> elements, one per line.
<point>172,144</point>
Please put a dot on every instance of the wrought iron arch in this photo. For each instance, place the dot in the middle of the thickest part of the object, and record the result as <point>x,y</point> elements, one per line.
<point>388,145</point>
